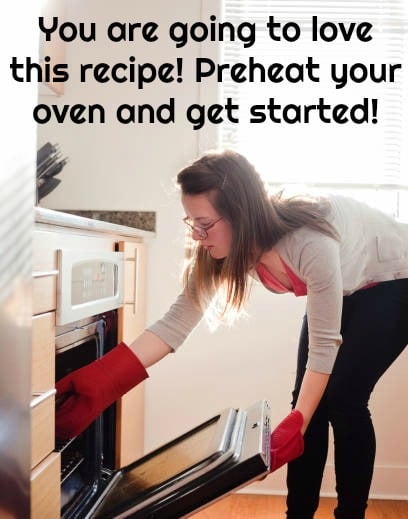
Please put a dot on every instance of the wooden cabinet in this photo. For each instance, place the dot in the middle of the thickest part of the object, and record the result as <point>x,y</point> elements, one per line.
<point>132,321</point>
<point>45,464</point>
<point>45,478</point>
<point>43,351</point>
<point>133,312</point>
<point>42,426</point>
<point>45,494</point>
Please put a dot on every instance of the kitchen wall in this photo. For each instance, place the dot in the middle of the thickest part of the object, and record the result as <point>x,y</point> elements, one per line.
<point>132,167</point>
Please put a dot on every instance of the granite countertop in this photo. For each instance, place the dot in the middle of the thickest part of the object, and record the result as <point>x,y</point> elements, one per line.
<point>144,220</point>
<point>125,223</point>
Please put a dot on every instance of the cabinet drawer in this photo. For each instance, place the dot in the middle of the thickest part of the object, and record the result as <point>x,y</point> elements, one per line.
<point>45,488</point>
<point>42,426</point>
<point>130,426</point>
<point>43,353</point>
<point>44,252</point>
<point>44,291</point>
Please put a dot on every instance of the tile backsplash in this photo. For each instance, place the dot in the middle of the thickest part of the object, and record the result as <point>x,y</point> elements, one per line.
<point>145,220</point>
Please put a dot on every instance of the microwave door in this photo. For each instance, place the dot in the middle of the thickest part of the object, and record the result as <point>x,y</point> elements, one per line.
<point>191,471</point>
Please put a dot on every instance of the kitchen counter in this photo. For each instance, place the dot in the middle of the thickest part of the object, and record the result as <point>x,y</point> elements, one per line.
<point>52,217</point>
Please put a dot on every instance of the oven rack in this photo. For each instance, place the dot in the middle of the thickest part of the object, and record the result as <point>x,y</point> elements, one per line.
<point>71,458</point>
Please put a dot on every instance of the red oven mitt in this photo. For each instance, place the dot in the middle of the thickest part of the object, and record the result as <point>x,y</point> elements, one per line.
<point>88,391</point>
<point>287,440</point>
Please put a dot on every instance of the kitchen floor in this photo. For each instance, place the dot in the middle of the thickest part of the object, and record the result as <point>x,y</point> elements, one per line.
<point>247,506</point>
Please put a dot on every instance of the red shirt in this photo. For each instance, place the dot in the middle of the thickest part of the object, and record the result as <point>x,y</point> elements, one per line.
<point>299,288</point>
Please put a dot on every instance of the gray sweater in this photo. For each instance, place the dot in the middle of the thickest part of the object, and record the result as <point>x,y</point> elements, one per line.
<point>372,247</point>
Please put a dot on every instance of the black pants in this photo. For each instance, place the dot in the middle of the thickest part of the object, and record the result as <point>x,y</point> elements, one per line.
<point>375,332</point>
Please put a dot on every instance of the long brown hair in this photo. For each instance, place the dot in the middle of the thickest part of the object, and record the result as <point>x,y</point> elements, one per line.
<point>258,221</point>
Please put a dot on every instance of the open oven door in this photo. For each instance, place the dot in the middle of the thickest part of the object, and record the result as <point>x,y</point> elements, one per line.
<point>215,458</point>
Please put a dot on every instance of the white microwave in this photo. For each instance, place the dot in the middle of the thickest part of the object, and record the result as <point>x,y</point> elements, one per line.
<point>89,283</point>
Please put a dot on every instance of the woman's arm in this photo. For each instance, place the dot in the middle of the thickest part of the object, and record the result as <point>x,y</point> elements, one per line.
<point>311,392</point>
<point>83,394</point>
<point>149,348</point>
<point>86,392</point>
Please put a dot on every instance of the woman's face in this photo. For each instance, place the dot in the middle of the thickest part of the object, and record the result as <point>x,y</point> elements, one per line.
<point>202,214</point>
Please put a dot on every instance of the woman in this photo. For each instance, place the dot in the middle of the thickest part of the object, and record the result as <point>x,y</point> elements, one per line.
<point>352,263</point>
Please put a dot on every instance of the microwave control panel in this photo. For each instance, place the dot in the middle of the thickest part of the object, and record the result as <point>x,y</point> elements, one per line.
<point>89,283</point>
<point>92,280</point>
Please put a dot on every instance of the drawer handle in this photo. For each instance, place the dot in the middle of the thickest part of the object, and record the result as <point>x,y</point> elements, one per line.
<point>45,273</point>
<point>41,397</point>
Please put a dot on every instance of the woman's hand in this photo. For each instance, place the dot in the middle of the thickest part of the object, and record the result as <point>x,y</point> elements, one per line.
<point>83,394</point>
<point>286,442</point>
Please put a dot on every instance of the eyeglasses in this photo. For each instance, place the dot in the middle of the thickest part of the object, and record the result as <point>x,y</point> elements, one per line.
<point>201,230</point>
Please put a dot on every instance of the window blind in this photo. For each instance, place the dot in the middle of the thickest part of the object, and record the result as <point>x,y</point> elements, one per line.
<point>369,159</point>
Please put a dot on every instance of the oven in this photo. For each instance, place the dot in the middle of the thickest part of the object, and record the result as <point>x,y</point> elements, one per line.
<point>83,457</point>
<point>89,292</point>
<point>218,456</point>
